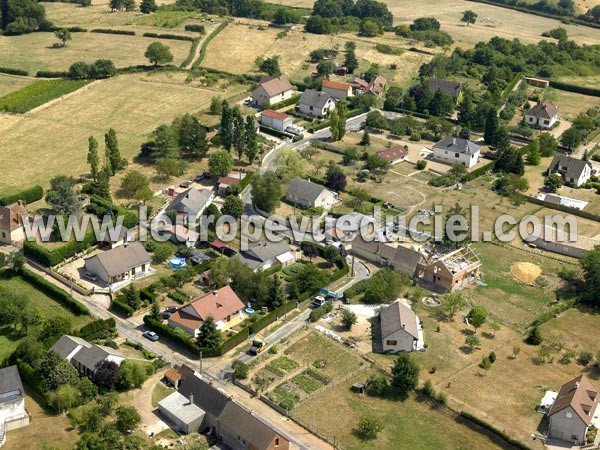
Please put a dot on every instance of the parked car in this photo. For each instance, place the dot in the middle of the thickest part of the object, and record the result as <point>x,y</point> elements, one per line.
<point>294,129</point>
<point>248,101</point>
<point>185,184</point>
<point>166,315</point>
<point>171,309</point>
<point>257,346</point>
<point>151,335</point>
<point>318,301</point>
<point>199,177</point>
<point>90,276</point>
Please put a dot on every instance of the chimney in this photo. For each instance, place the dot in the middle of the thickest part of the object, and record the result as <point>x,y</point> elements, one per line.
<point>577,385</point>
<point>453,142</point>
<point>191,399</point>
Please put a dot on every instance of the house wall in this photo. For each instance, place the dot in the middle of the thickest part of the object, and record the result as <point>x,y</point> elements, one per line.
<point>340,94</point>
<point>314,112</point>
<point>403,342</point>
<point>542,123</point>
<point>93,265</point>
<point>282,444</point>
<point>450,157</point>
<point>8,237</point>
<point>186,428</point>
<point>261,98</point>
<point>567,429</point>
<point>193,333</point>
<point>325,199</point>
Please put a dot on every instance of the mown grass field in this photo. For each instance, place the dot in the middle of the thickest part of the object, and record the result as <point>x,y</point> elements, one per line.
<point>55,138</point>
<point>38,93</point>
<point>35,51</point>
<point>410,424</point>
<point>11,83</point>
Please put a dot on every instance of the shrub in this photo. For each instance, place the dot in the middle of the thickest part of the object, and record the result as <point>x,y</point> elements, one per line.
<point>119,304</point>
<point>421,164</point>
<point>534,337</point>
<point>195,27</point>
<point>585,358</point>
<point>112,31</point>
<point>428,389</point>
<point>28,196</point>
<point>11,71</point>
<point>176,37</point>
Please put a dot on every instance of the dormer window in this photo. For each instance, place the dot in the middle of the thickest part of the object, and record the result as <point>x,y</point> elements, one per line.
<point>569,415</point>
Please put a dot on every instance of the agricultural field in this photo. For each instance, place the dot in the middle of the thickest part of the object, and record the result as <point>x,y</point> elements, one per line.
<point>12,83</point>
<point>36,51</point>
<point>37,94</point>
<point>413,423</point>
<point>68,123</point>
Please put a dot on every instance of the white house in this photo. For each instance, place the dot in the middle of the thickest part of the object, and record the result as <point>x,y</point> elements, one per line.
<point>120,264</point>
<point>316,104</point>
<point>276,120</point>
<point>11,222</point>
<point>12,402</point>
<point>310,195</point>
<point>542,115</point>
<point>400,329</point>
<point>454,150</point>
<point>339,91</point>
<point>572,170</point>
<point>191,203</point>
<point>272,90</point>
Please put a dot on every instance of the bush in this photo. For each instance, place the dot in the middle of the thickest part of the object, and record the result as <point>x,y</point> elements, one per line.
<point>176,37</point>
<point>147,295</point>
<point>55,293</point>
<point>421,164</point>
<point>195,27</point>
<point>53,257</point>
<point>534,337</point>
<point>112,31</point>
<point>178,297</point>
<point>28,196</point>
<point>319,312</point>
<point>98,329</point>
<point>11,71</point>
<point>120,305</point>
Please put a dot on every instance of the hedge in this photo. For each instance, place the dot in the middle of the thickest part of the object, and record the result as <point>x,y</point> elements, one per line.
<point>178,297</point>
<point>349,115</point>
<point>147,295</point>
<point>276,133</point>
<point>55,293</point>
<point>246,180</point>
<point>119,304</point>
<point>319,312</point>
<point>287,102</point>
<point>130,220</point>
<point>511,86</point>
<point>12,71</point>
<point>32,378</point>
<point>553,312</point>
<point>195,27</point>
<point>207,40</point>
<point>31,195</point>
<point>190,56</point>
<point>176,37</point>
<point>512,441</point>
<point>575,88</point>
<point>98,329</point>
<point>170,333</point>
<point>111,31</point>
<point>562,208</point>
<point>480,171</point>
<point>51,74</point>
<point>51,258</point>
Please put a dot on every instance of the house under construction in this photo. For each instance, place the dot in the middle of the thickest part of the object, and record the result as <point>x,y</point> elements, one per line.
<point>449,272</point>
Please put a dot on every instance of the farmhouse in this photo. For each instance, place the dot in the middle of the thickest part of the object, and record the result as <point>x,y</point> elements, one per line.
<point>339,91</point>
<point>223,305</point>
<point>114,237</point>
<point>450,88</point>
<point>11,223</point>
<point>315,103</point>
<point>358,85</point>
<point>190,204</point>
<point>450,272</point>
<point>454,150</point>
<point>309,195</point>
<point>231,423</point>
<point>84,356</point>
<point>393,155</point>
<point>262,255</point>
<point>572,170</point>
<point>12,402</point>
<point>272,90</point>
<point>400,329</point>
<point>542,115</point>
<point>573,411</point>
<point>276,120</point>
<point>125,263</point>
<point>377,86</point>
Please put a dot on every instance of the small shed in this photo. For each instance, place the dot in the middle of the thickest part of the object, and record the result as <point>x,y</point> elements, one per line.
<point>182,413</point>
<point>359,387</point>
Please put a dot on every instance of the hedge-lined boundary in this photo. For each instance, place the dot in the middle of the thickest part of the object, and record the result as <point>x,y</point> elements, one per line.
<point>501,434</point>
<point>511,86</point>
<point>246,180</point>
<point>111,31</point>
<point>37,94</point>
<point>575,88</point>
<point>120,305</point>
<point>176,37</point>
<point>562,208</point>
<point>55,293</point>
<point>349,115</point>
<point>51,74</point>
<point>28,196</point>
<point>207,40</point>
<point>480,171</point>
<point>276,133</point>
<point>51,258</point>
<point>191,54</point>
<point>195,27</point>
<point>11,71</point>
<point>283,103</point>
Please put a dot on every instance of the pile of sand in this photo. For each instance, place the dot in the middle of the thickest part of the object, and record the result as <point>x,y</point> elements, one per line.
<point>525,272</point>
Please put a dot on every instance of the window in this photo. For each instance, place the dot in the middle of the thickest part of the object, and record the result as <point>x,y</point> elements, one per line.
<point>456,155</point>
<point>574,437</point>
<point>391,342</point>
<point>276,442</point>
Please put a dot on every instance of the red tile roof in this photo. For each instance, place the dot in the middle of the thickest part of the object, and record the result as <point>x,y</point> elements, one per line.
<point>581,395</point>
<point>274,114</point>
<point>228,180</point>
<point>393,154</point>
<point>11,216</point>
<point>335,85</point>
<point>276,86</point>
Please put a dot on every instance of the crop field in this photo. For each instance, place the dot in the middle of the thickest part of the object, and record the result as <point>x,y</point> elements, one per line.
<point>37,94</point>
<point>62,146</point>
<point>11,83</point>
<point>35,51</point>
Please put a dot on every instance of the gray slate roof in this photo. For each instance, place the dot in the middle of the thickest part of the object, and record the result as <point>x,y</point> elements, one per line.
<point>262,251</point>
<point>89,355</point>
<point>66,344</point>
<point>451,88</point>
<point>402,259</point>
<point>10,383</point>
<point>195,200</point>
<point>180,407</point>
<point>253,430</point>
<point>122,259</point>
<point>303,190</point>
<point>458,145</point>
<point>543,111</point>
<point>574,166</point>
<point>316,99</point>
<point>398,316</point>
<point>206,397</point>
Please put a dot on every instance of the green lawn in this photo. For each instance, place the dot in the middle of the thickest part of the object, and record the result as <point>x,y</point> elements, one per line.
<point>160,392</point>
<point>37,299</point>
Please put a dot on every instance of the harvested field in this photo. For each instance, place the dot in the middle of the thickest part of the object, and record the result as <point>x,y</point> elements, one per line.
<point>11,83</point>
<point>525,272</point>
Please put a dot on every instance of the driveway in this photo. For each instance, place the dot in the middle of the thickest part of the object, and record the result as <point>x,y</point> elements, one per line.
<point>142,402</point>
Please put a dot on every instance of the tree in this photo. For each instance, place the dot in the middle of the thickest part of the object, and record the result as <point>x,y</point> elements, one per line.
<point>516,350</point>
<point>477,316</point>
<point>472,341</point>
<point>350,60</point>
<point>233,206</point>
<point>342,108</point>
<point>106,374</point>
<point>267,192</point>
<point>62,196</point>
<point>251,138</point>
<point>191,136</point>
<point>57,371</point>
<point>158,53</point>
<point>495,326</point>
<point>220,163</point>
<point>553,182</point>
<point>376,385</point>
<point>209,336</point>
<point>276,294</point>
<point>226,131</point>
<point>334,122</point>
<point>127,418</point>
<point>148,6</point>
<point>133,183</point>
<point>534,156</point>
<point>325,69</point>
<point>132,297</point>
<point>239,138</point>
<point>169,167</point>
<point>92,157</point>
<point>310,278</point>
<point>454,302</point>
<point>290,165</point>
<point>548,144</point>
<point>216,105</point>
<point>63,35</point>
<point>365,141</point>
<point>469,17</point>
<point>269,65</point>
<point>485,363</point>
<point>132,374</point>
<point>368,428</point>
<point>405,374</point>
<point>331,254</point>
<point>370,27</point>
<point>348,319</point>
<point>65,397</point>
<point>336,180</point>
<point>112,152</point>
<point>155,310</point>
<point>590,264</point>
<point>492,126</point>
<point>240,370</point>
<point>571,138</point>
<point>535,336</point>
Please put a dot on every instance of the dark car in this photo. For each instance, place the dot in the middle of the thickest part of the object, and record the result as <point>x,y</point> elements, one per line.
<point>171,309</point>
<point>151,335</point>
<point>166,315</point>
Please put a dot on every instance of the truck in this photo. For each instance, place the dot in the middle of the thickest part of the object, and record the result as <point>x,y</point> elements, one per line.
<point>318,301</point>
<point>258,346</point>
